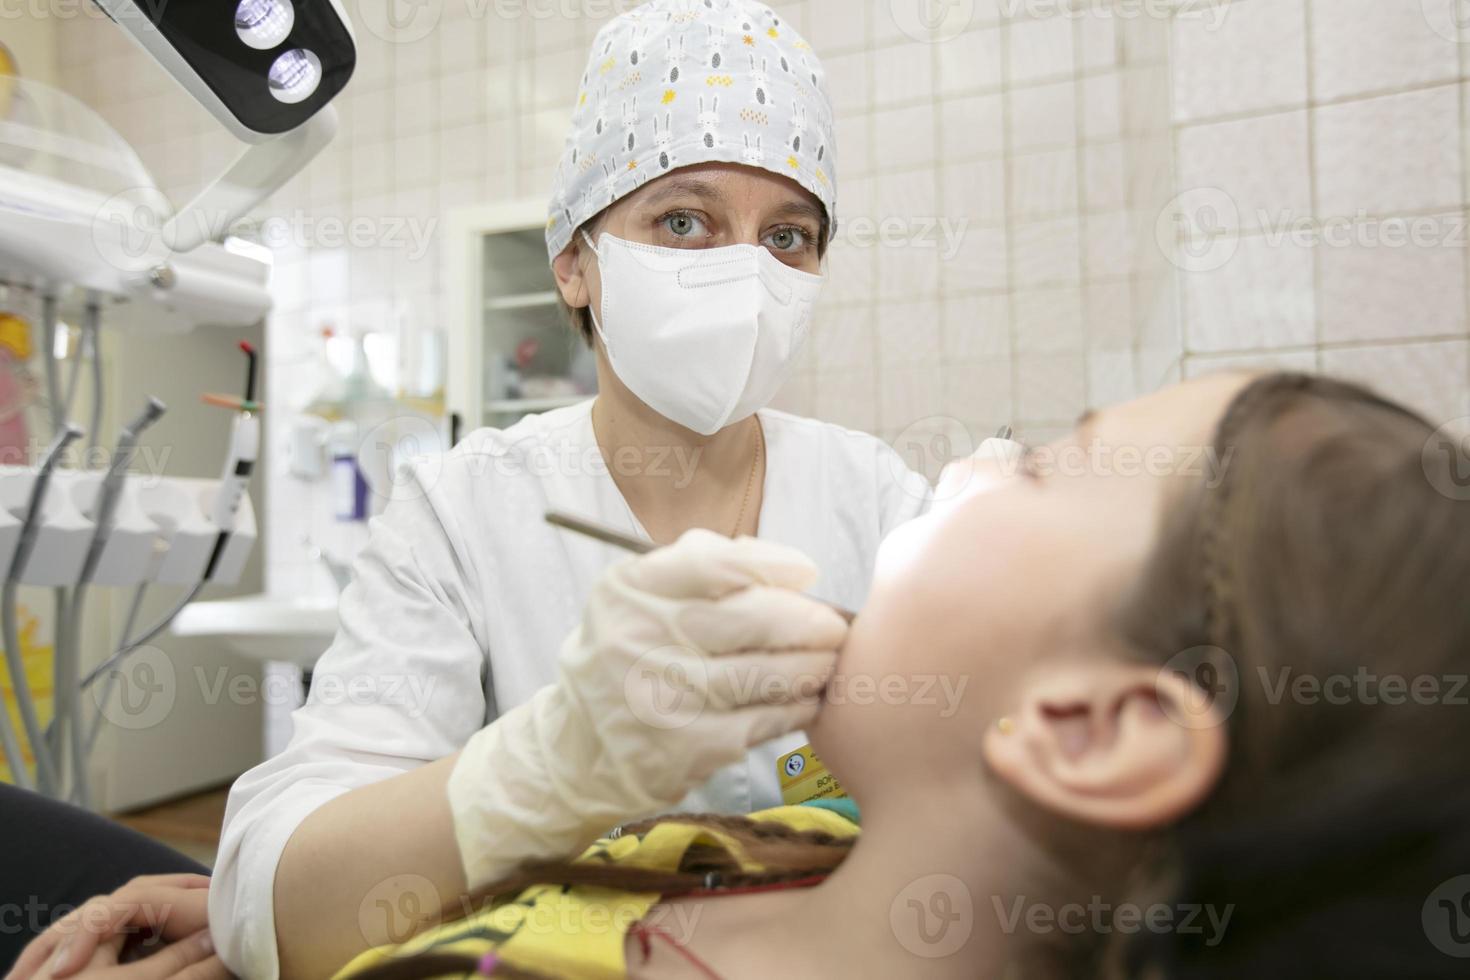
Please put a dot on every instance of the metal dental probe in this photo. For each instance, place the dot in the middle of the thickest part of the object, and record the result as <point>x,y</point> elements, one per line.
<point>638,546</point>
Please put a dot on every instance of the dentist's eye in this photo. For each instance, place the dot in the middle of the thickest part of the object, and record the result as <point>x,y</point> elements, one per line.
<point>682,225</point>
<point>790,239</point>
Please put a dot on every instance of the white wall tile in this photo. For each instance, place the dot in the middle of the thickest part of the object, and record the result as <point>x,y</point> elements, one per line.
<point>1254,59</point>
<point>1384,287</point>
<point>1375,45</point>
<point>1043,116</point>
<point>904,73</point>
<point>1260,163</point>
<point>908,335</point>
<point>1050,387</point>
<point>1261,298</point>
<point>1039,49</point>
<point>976,327</point>
<point>1390,154</point>
<point>903,138</point>
<point>970,62</point>
<point>1048,321</point>
<point>972,127</point>
<point>1427,377</point>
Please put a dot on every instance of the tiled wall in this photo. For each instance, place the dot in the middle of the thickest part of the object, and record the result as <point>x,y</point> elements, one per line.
<point>1346,117</point>
<point>1049,144</point>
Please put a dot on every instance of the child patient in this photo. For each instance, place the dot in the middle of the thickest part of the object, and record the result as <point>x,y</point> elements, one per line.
<point>1210,727</point>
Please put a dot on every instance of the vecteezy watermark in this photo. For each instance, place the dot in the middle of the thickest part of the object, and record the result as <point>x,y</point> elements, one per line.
<point>1096,458</point>
<point>932,21</point>
<point>1450,19</point>
<point>1211,688</point>
<point>33,915</point>
<point>132,230</point>
<point>145,685</point>
<point>928,446</point>
<point>1212,12</point>
<point>147,463</point>
<point>933,917</point>
<point>941,234</point>
<point>408,21</point>
<point>1446,459</point>
<point>670,687</point>
<point>1100,917</point>
<point>398,908</point>
<point>1446,917</point>
<point>1198,230</point>
<point>402,459</point>
<point>77,9</point>
<point>1364,687</point>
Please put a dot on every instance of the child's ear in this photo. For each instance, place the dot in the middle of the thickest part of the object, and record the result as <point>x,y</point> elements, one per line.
<point>1101,744</point>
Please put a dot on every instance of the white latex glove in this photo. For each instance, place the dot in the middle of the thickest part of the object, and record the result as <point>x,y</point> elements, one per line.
<point>994,462</point>
<point>686,658</point>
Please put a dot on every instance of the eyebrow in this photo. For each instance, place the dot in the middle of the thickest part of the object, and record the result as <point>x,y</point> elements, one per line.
<point>707,191</point>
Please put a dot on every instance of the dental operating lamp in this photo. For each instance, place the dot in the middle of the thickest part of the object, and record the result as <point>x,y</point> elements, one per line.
<point>267,70</point>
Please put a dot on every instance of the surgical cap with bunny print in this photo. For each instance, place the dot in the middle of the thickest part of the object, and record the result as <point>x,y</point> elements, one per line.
<point>674,83</point>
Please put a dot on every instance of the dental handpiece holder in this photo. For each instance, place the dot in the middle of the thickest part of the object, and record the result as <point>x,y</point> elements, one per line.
<point>163,530</point>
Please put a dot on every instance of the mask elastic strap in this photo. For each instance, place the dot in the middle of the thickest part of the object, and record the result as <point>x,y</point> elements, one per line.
<point>590,311</point>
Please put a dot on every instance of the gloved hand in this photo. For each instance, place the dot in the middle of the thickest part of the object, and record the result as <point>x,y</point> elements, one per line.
<point>686,658</point>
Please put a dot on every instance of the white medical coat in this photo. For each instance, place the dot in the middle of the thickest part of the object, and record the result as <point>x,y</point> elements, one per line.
<point>461,601</point>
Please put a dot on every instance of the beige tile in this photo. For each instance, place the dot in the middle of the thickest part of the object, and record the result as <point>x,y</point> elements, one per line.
<point>1039,49</point>
<point>1050,387</point>
<point>1048,321</point>
<point>970,62</point>
<point>1199,365</point>
<point>1372,45</point>
<point>1384,287</point>
<point>903,73</point>
<point>1043,116</point>
<point>1261,298</point>
<point>1260,163</point>
<point>904,137</point>
<point>909,395</point>
<point>848,398</point>
<point>1102,114</point>
<point>1390,154</point>
<point>1110,245</point>
<point>976,327</point>
<point>972,127</point>
<point>1426,377</point>
<point>979,394</point>
<point>908,335</point>
<point>1108,312</point>
<point>843,338</point>
<point>1043,185</point>
<point>1046,253</point>
<point>1104,186</point>
<point>836,24</point>
<point>1111,378</point>
<point>975,192</point>
<point>980,262</point>
<point>1255,59</point>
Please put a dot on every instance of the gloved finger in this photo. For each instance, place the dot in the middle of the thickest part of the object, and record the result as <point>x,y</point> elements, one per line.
<point>761,618</point>
<point>706,565</point>
<point>740,680</point>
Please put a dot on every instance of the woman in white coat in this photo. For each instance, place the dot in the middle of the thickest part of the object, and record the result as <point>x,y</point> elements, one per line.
<point>692,207</point>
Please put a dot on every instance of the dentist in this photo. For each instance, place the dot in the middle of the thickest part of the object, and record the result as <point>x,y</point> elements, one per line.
<point>463,721</point>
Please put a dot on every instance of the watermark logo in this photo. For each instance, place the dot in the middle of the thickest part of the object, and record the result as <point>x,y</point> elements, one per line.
<point>401,458</point>
<point>145,687</point>
<point>1100,918</point>
<point>1212,686</point>
<point>1198,230</point>
<point>927,447</point>
<point>1450,19</point>
<point>400,21</point>
<point>667,687</point>
<point>1446,917</point>
<point>933,917</point>
<point>932,21</point>
<point>1446,459</point>
<point>127,230</point>
<point>397,908</point>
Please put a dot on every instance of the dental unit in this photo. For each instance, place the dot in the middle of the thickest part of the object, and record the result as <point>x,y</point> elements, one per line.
<point>75,201</point>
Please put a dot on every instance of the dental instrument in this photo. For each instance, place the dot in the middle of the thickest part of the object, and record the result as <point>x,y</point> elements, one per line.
<point>67,723</point>
<point>46,777</point>
<point>612,536</point>
<point>239,465</point>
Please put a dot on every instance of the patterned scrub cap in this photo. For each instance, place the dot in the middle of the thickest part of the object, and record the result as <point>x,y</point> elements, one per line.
<point>674,83</point>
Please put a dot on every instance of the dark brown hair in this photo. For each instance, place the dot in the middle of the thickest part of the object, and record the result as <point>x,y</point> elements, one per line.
<point>1324,549</point>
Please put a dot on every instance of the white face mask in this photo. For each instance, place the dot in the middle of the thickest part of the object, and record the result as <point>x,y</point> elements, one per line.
<point>705,337</point>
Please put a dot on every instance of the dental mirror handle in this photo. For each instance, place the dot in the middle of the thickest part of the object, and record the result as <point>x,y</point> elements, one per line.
<point>638,546</point>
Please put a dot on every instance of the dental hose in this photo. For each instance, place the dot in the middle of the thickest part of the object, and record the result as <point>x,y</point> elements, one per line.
<point>48,358</point>
<point>69,723</point>
<point>45,770</point>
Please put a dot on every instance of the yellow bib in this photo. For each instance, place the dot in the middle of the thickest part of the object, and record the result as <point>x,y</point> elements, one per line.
<point>580,932</point>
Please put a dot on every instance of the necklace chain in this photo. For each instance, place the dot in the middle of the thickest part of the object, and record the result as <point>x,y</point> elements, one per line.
<point>755,464</point>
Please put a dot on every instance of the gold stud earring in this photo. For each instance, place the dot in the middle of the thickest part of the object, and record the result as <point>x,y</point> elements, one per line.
<point>1005,725</point>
